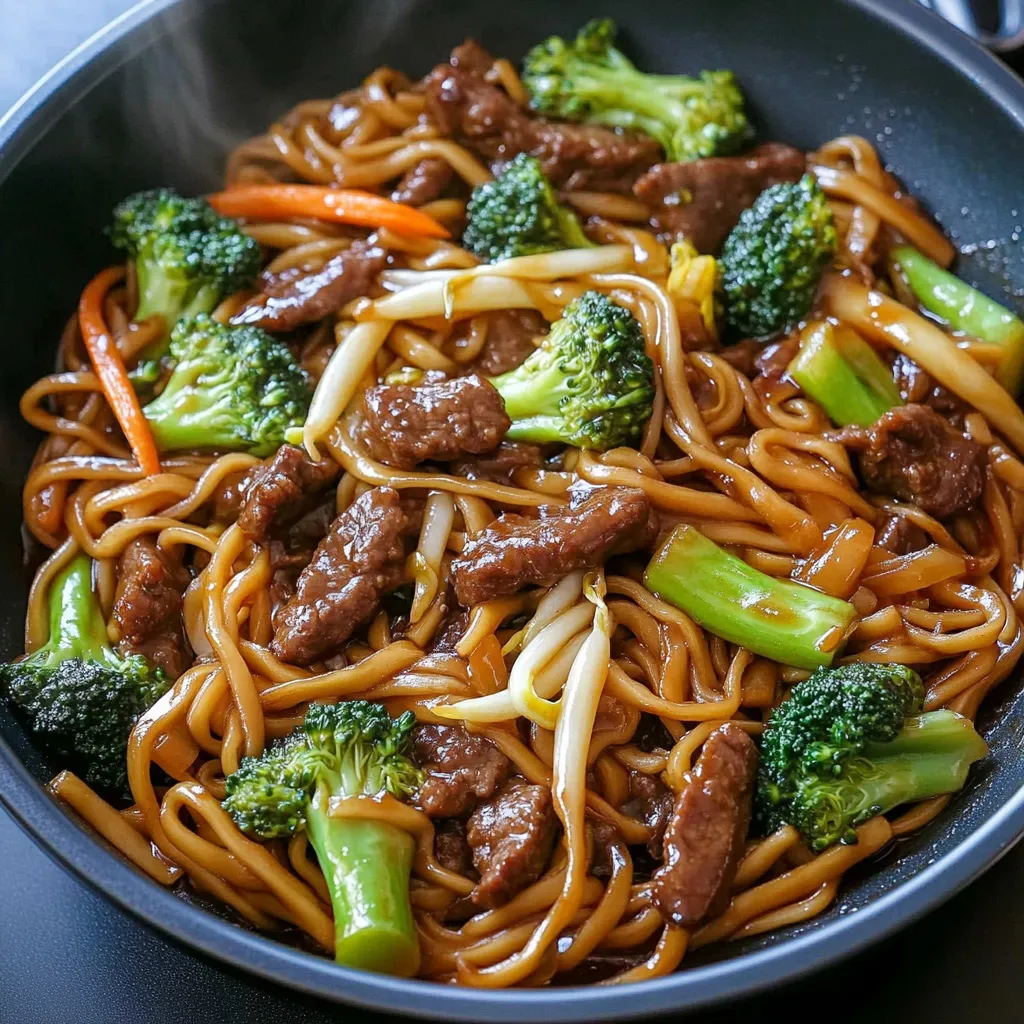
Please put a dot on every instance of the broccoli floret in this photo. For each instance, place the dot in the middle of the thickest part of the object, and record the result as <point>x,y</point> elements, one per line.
<point>850,743</point>
<point>231,389</point>
<point>342,750</point>
<point>81,699</point>
<point>588,79</point>
<point>590,384</point>
<point>187,257</point>
<point>772,260</point>
<point>518,214</point>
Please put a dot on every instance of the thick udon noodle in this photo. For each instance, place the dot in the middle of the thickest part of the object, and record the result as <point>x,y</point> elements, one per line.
<point>751,470</point>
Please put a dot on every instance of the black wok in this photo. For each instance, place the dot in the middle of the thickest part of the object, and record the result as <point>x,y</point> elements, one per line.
<point>160,95</point>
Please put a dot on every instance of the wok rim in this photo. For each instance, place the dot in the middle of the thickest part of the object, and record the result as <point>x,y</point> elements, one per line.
<point>85,857</point>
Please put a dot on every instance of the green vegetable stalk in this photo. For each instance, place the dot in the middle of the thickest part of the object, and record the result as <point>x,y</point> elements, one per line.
<point>966,309</point>
<point>844,375</point>
<point>342,750</point>
<point>81,698</point>
<point>785,621</point>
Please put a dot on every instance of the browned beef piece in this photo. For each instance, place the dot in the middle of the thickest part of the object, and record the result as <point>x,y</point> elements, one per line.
<point>450,633</point>
<point>293,300</point>
<point>460,769</point>
<point>361,559</point>
<point>915,455</point>
<point>438,421</point>
<point>486,119</point>
<point>703,199</point>
<point>511,838</point>
<point>900,536</point>
<point>650,801</point>
<point>705,835</point>
<point>500,464</point>
<point>147,606</point>
<point>281,489</point>
<point>423,182</point>
<point>451,847</point>
<point>509,341</point>
<point>514,551</point>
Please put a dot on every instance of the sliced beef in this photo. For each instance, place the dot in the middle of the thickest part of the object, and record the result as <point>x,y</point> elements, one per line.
<point>151,583</point>
<point>451,848</point>
<point>438,421</point>
<point>702,200</point>
<point>281,490</point>
<point>511,838</point>
<point>485,118</point>
<point>706,833</point>
<point>650,801</point>
<point>361,559</point>
<point>514,550</point>
<point>295,299</point>
<point>459,768</point>
<point>423,182</point>
<point>915,455</point>
<point>509,341</point>
<point>500,464</point>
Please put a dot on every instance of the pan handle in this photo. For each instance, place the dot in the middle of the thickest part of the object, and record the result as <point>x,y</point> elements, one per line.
<point>1008,36</point>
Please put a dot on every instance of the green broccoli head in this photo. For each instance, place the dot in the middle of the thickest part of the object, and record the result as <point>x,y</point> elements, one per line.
<point>268,795</point>
<point>590,384</point>
<point>231,389</point>
<point>589,79</point>
<point>364,747</point>
<point>80,698</point>
<point>350,748</point>
<point>187,257</point>
<point>773,259</point>
<point>518,214</point>
<point>850,743</point>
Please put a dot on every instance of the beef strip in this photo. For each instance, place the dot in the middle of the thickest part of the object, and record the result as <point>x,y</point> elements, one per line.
<point>511,837</point>
<point>702,200</point>
<point>361,559</point>
<point>514,551</point>
<point>151,584</point>
<point>500,464</point>
<point>423,182</point>
<point>281,490</point>
<point>706,833</point>
<point>485,118</point>
<point>459,768</point>
<point>915,455</point>
<point>293,300</point>
<point>650,801</point>
<point>509,341</point>
<point>451,847</point>
<point>405,425</point>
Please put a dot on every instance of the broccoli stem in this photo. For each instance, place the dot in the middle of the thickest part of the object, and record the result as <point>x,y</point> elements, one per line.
<point>366,865</point>
<point>779,619</point>
<point>930,756</point>
<point>844,375</point>
<point>966,309</point>
<point>77,626</point>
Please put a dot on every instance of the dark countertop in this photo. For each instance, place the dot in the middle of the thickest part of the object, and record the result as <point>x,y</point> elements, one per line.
<point>69,957</point>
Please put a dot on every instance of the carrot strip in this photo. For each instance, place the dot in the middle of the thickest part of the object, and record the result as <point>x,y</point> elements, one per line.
<point>109,367</point>
<point>341,205</point>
